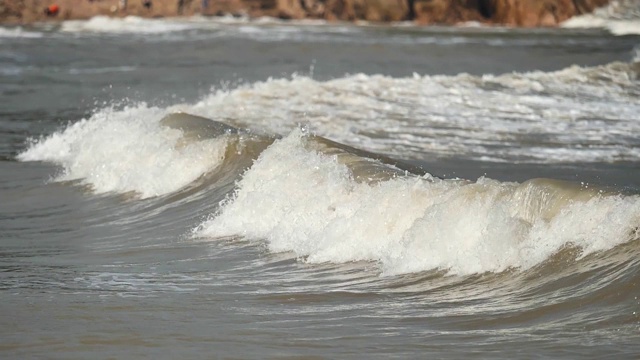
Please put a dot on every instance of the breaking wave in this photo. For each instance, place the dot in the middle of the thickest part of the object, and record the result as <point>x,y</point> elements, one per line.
<point>301,200</point>
<point>339,201</point>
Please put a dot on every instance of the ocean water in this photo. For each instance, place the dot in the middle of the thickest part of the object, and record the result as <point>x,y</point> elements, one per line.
<point>227,188</point>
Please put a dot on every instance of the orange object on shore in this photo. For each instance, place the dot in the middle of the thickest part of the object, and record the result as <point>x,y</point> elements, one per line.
<point>52,9</point>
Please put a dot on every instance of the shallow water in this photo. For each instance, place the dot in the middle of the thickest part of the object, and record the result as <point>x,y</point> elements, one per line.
<point>349,192</point>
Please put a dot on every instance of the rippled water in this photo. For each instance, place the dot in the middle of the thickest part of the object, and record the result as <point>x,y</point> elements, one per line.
<point>227,188</point>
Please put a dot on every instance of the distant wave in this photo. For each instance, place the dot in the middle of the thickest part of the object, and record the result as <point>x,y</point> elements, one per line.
<point>78,71</point>
<point>574,115</point>
<point>18,32</point>
<point>129,24</point>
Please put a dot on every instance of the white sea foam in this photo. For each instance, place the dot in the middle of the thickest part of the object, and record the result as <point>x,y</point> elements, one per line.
<point>129,24</point>
<point>11,70</point>
<point>135,24</point>
<point>105,70</point>
<point>577,114</point>
<point>619,17</point>
<point>308,203</point>
<point>18,32</point>
<point>127,150</point>
<point>276,30</point>
<point>262,29</point>
<point>616,27</point>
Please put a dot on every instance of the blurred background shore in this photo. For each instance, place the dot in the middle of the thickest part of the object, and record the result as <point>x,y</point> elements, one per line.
<point>520,13</point>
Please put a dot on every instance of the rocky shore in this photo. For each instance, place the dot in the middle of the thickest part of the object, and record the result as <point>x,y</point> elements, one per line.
<point>521,13</point>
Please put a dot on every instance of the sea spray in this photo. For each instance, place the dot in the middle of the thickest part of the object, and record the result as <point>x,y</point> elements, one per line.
<point>127,150</point>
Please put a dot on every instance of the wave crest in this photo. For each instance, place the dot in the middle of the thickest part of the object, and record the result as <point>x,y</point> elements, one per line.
<point>307,202</point>
<point>128,151</point>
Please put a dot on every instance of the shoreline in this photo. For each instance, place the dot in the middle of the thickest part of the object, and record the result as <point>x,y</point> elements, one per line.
<point>511,13</point>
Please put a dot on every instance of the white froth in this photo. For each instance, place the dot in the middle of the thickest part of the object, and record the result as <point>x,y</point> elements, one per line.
<point>576,114</point>
<point>262,29</point>
<point>103,70</point>
<point>129,24</point>
<point>619,17</point>
<point>18,32</point>
<point>127,150</point>
<point>616,27</point>
<point>308,203</point>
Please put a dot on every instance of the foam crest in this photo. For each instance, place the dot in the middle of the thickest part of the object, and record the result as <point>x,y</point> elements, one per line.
<point>618,17</point>
<point>579,114</point>
<point>127,150</point>
<point>309,203</point>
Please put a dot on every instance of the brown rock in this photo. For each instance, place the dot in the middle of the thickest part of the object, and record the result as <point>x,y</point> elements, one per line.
<point>382,10</point>
<point>339,10</point>
<point>284,9</point>
<point>224,7</point>
<point>507,12</point>
<point>526,13</point>
<point>529,13</point>
<point>11,10</point>
<point>349,10</point>
<point>587,6</point>
<point>446,11</point>
<point>290,9</point>
<point>313,8</point>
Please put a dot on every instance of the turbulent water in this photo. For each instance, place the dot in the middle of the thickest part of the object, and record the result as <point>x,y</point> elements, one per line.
<point>225,188</point>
